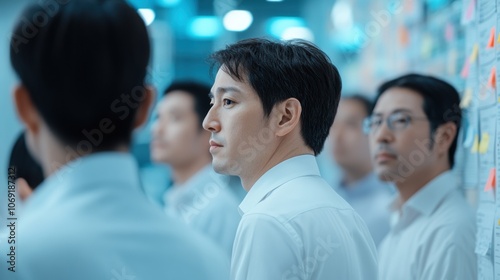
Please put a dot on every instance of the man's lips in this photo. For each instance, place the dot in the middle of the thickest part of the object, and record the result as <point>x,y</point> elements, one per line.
<point>214,144</point>
<point>383,157</point>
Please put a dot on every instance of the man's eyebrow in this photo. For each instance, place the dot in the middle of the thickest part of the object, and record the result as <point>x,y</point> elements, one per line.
<point>398,110</point>
<point>221,90</point>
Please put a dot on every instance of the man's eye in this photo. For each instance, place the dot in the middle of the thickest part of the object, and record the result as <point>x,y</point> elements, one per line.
<point>227,102</point>
<point>399,120</point>
<point>376,122</point>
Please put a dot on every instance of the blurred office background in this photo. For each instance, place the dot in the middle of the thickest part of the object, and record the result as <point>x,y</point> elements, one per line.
<point>369,41</point>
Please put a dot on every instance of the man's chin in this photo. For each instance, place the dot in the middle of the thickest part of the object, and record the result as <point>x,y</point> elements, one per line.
<point>387,174</point>
<point>226,167</point>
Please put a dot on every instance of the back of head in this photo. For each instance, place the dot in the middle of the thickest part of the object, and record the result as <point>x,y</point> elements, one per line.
<point>288,69</point>
<point>82,62</point>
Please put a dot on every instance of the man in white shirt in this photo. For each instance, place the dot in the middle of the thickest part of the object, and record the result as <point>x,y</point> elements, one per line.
<point>199,197</point>
<point>359,186</point>
<point>81,93</point>
<point>272,107</point>
<point>413,137</point>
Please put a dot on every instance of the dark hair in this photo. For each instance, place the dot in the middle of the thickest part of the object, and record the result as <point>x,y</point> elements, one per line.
<point>25,165</point>
<point>288,69</point>
<point>84,63</point>
<point>198,91</point>
<point>363,100</point>
<point>441,102</point>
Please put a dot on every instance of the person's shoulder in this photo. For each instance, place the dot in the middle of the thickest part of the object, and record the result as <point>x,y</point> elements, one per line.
<point>303,194</point>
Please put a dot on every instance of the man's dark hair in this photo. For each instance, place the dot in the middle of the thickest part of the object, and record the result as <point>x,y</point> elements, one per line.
<point>83,62</point>
<point>361,99</point>
<point>288,69</point>
<point>441,102</point>
<point>198,91</point>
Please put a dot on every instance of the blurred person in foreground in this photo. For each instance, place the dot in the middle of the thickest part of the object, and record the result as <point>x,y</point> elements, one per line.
<point>81,93</point>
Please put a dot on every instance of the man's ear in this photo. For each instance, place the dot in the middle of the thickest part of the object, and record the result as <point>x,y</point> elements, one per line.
<point>26,110</point>
<point>445,134</point>
<point>145,104</point>
<point>287,115</point>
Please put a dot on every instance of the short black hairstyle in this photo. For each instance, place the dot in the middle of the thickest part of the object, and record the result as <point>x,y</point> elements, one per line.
<point>24,164</point>
<point>198,91</point>
<point>361,99</point>
<point>278,70</point>
<point>84,63</point>
<point>441,102</point>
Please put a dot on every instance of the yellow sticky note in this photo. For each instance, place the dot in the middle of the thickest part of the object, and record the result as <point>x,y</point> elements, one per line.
<point>485,142</point>
<point>466,99</point>
<point>498,223</point>
<point>475,145</point>
<point>475,52</point>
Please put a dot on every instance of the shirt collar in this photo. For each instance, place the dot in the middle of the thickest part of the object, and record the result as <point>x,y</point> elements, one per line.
<point>118,169</point>
<point>427,199</point>
<point>299,166</point>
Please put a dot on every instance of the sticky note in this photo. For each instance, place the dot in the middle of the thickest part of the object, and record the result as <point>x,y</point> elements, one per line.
<point>491,40</point>
<point>492,79</point>
<point>466,69</point>
<point>475,145</point>
<point>466,98</point>
<point>427,46</point>
<point>498,222</point>
<point>404,38</point>
<point>491,182</point>
<point>485,142</point>
<point>498,40</point>
<point>470,10</point>
<point>474,53</point>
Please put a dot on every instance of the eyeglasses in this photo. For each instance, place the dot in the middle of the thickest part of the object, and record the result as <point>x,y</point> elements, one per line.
<point>395,121</point>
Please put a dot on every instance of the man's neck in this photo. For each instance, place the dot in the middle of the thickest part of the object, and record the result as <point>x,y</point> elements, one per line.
<point>411,185</point>
<point>352,176</point>
<point>182,174</point>
<point>276,158</point>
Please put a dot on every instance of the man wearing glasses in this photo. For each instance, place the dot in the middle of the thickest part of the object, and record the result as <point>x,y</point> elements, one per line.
<point>413,137</point>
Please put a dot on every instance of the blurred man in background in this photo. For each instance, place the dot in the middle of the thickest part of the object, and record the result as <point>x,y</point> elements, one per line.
<point>81,94</point>
<point>359,186</point>
<point>199,196</point>
<point>413,137</point>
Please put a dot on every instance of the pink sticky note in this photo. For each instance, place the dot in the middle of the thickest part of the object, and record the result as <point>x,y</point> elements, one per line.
<point>465,71</point>
<point>470,10</point>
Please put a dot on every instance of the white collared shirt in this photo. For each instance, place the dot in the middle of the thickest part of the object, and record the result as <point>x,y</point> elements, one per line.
<point>432,235</point>
<point>295,226</point>
<point>206,203</point>
<point>91,220</point>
